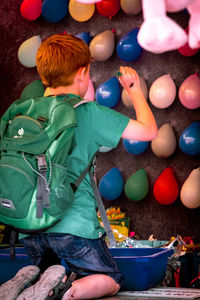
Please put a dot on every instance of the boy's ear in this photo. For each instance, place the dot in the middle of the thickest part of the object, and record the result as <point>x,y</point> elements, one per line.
<point>82,70</point>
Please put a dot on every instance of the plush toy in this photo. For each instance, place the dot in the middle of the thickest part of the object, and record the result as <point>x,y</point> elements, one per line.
<point>159,33</point>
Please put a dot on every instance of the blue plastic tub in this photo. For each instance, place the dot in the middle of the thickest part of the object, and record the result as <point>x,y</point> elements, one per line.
<point>8,266</point>
<point>142,268</point>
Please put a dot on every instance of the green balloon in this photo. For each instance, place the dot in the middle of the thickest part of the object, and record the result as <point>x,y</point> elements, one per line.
<point>137,186</point>
<point>33,89</point>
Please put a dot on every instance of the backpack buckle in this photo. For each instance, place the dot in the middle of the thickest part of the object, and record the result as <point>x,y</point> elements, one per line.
<point>42,164</point>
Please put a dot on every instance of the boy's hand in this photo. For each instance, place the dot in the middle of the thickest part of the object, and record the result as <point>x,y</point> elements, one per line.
<point>129,79</point>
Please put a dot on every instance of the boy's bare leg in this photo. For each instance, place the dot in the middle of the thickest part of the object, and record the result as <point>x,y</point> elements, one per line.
<point>91,287</point>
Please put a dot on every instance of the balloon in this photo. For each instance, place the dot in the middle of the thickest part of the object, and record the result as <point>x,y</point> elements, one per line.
<point>185,50</point>
<point>189,92</point>
<point>47,92</point>
<point>162,92</point>
<point>128,48</point>
<point>27,51</point>
<point>125,97</point>
<point>104,149</point>
<point>164,144</point>
<point>81,12</point>
<point>54,10</point>
<point>88,1</point>
<point>31,9</point>
<point>189,140</point>
<point>131,7</point>
<point>108,93</point>
<point>137,186</point>
<point>33,89</point>
<point>90,92</point>
<point>135,147</point>
<point>190,191</point>
<point>85,36</point>
<point>111,184</point>
<point>102,45</point>
<point>166,188</point>
<point>108,8</point>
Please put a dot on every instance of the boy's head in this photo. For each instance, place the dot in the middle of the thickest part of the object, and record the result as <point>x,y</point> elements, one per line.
<point>59,57</point>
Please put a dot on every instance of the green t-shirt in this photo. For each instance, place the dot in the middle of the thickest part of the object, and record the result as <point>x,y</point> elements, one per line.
<point>97,126</point>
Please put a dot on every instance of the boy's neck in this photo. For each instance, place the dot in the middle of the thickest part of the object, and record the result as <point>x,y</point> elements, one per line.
<point>61,90</point>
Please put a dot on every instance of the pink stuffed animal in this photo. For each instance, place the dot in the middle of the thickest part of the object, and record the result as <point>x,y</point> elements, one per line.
<point>159,33</point>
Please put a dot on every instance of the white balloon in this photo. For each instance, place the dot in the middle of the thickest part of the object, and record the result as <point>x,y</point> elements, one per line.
<point>27,51</point>
<point>162,92</point>
<point>105,149</point>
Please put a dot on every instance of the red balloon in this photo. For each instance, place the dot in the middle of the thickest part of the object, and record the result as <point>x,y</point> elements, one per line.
<point>31,9</point>
<point>185,50</point>
<point>108,8</point>
<point>166,189</point>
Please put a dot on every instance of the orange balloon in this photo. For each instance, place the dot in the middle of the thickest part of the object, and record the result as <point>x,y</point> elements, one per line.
<point>166,189</point>
<point>81,12</point>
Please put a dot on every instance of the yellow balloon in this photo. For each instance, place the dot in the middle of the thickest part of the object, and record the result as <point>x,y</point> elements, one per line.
<point>131,7</point>
<point>81,12</point>
<point>190,191</point>
<point>47,92</point>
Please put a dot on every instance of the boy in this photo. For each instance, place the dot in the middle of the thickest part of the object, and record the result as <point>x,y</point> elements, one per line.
<point>63,63</point>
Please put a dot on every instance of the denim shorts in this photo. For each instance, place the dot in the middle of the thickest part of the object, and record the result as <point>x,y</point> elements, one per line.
<point>82,256</point>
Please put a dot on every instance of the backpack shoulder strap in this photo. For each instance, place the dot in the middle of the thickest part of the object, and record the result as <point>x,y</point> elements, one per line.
<point>88,169</point>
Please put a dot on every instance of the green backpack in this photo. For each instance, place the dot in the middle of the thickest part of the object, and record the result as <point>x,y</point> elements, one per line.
<point>36,137</point>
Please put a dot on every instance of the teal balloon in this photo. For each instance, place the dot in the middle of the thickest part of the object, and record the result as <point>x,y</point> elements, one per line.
<point>189,140</point>
<point>108,93</point>
<point>33,89</point>
<point>111,184</point>
<point>137,186</point>
<point>128,48</point>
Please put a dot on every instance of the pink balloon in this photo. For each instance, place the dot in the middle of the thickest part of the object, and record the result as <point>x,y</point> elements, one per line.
<point>90,91</point>
<point>189,92</point>
<point>31,9</point>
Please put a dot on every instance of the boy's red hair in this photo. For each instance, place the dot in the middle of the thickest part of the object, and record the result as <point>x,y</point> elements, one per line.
<point>59,57</point>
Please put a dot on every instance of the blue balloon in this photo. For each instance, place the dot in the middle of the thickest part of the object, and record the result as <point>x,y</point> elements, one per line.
<point>54,10</point>
<point>111,184</point>
<point>108,93</point>
<point>128,48</point>
<point>85,36</point>
<point>189,140</point>
<point>134,146</point>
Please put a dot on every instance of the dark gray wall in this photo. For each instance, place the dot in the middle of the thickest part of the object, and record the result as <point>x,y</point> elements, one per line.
<point>147,216</point>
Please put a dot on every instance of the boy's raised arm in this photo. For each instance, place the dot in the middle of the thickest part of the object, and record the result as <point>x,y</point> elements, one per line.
<point>144,128</point>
